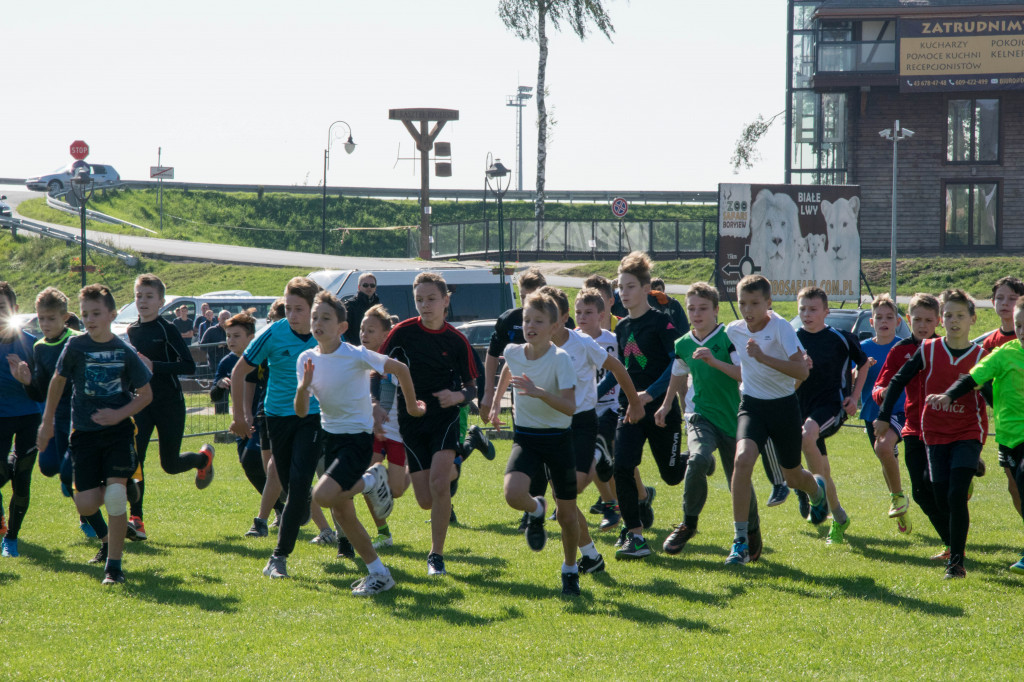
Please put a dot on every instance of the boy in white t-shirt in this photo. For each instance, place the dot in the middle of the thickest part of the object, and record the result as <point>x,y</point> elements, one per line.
<point>772,361</point>
<point>545,401</point>
<point>338,374</point>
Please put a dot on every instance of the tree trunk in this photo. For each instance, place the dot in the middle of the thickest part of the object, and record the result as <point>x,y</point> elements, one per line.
<point>542,112</point>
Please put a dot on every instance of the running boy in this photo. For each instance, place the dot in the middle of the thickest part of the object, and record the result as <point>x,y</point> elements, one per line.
<point>545,384</point>
<point>103,370</point>
<point>771,362</point>
<point>825,396</point>
<point>346,422</point>
<point>295,440</point>
<point>954,433</point>
<point>163,351</point>
<point>706,355</point>
<point>441,363</point>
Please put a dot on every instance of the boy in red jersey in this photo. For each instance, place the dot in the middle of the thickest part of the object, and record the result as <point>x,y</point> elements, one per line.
<point>953,431</point>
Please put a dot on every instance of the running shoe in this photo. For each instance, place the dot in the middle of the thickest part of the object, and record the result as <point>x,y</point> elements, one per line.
<point>435,564</point>
<point>941,556</point>
<point>955,568</point>
<point>101,556</point>
<point>113,576</point>
<point>819,511</point>
<point>524,521</point>
<point>277,567</point>
<point>635,547</point>
<point>611,517</point>
<point>379,494</point>
<point>325,537</point>
<point>588,565</point>
<point>345,550</point>
<point>903,524</point>
<point>899,505</point>
<point>675,542</point>
<point>647,508</point>
<point>597,507</point>
<point>204,475</point>
<point>1019,566</point>
<point>837,532</point>
<point>603,465</point>
<point>382,541</point>
<point>87,529</point>
<point>754,545</point>
<point>780,493</point>
<point>259,529</point>
<point>374,583</point>
<point>740,554</point>
<point>536,535</point>
<point>137,530</point>
<point>803,503</point>
<point>571,584</point>
<point>276,523</point>
<point>453,486</point>
<point>477,439</point>
<point>623,533</point>
<point>9,548</point>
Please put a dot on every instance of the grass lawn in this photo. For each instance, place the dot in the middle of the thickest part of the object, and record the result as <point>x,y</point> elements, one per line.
<point>197,606</point>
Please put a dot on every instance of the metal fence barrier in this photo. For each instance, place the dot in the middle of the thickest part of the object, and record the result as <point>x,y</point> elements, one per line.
<point>202,416</point>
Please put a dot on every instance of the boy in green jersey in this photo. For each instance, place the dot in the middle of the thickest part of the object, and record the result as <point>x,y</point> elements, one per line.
<point>707,356</point>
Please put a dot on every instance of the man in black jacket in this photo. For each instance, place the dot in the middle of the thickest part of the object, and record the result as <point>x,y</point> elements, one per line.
<point>356,306</point>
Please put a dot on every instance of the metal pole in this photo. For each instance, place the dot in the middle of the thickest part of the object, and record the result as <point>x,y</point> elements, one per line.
<point>501,250</point>
<point>323,208</point>
<point>82,213</point>
<point>425,145</point>
<point>160,187</point>
<point>892,264</point>
<point>519,147</point>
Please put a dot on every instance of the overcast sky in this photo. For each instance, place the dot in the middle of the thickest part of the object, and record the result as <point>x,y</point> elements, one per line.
<point>246,91</point>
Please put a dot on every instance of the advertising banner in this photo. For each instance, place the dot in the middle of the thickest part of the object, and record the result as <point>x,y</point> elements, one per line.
<point>961,54</point>
<point>795,235</point>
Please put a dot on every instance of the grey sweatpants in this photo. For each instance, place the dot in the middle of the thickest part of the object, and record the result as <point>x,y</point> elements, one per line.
<point>702,439</point>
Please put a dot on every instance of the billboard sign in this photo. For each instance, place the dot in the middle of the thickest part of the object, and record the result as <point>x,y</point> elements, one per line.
<point>946,54</point>
<point>795,235</point>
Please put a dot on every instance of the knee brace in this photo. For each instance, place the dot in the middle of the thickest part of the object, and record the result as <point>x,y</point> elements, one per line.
<point>116,499</point>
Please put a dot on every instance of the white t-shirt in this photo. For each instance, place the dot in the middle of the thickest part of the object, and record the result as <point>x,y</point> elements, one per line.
<point>553,372</point>
<point>341,382</point>
<point>587,357</point>
<point>778,340</point>
<point>610,400</point>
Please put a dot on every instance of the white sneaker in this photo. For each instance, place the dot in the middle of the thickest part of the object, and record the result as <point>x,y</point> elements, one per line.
<point>379,495</point>
<point>372,584</point>
<point>382,541</point>
<point>326,537</point>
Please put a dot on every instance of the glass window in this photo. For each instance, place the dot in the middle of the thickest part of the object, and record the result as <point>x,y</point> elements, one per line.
<point>972,131</point>
<point>972,215</point>
<point>802,13</point>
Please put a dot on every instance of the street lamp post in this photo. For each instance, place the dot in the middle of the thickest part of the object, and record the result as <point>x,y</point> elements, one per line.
<point>897,135</point>
<point>82,187</point>
<point>350,147</point>
<point>495,172</point>
<point>518,100</point>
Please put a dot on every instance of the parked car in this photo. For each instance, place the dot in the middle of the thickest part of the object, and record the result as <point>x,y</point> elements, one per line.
<point>60,179</point>
<point>5,210</point>
<point>479,334</point>
<point>856,320</point>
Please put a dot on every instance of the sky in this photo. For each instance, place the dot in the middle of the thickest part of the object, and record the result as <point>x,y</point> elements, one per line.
<point>245,92</point>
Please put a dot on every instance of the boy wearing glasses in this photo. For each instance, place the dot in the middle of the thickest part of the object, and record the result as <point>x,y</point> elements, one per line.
<point>356,306</point>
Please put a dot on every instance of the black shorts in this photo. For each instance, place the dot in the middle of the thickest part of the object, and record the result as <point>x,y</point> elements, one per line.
<point>584,439</point>
<point>943,458</point>
<point>535,450</point>
<point>896,422</point>
<point>99,455</point>
<point>829,419</point>
<point>1010,458</point>
<point>607,422</point>
<point>427,435</point>
<point>347,456</point>
<point>262,432</point>
<point>778,419</point>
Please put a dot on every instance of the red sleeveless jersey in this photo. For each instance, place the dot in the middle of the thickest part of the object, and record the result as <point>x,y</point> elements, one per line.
<point>897,357</point>
<point>965,418</point>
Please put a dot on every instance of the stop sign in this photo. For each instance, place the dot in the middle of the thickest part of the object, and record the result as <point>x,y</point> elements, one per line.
<point>79,150</point>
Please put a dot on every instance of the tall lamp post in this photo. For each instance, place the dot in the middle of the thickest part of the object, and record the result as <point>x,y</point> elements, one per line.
<point>897,135</point>
<point>82,187</point>
<point>495,173</point>
<point>518,100</point>
<point>350,147</point>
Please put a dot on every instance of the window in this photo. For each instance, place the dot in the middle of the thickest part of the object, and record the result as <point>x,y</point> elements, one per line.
<point>972,131</point>
<point>972,215</point>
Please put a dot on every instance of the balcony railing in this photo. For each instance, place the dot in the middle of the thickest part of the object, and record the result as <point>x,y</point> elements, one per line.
<point>857,57</point>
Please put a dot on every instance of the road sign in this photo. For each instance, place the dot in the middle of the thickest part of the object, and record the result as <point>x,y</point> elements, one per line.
<point>161,172</point>
<point>79,150</point>
<point>619,207</point>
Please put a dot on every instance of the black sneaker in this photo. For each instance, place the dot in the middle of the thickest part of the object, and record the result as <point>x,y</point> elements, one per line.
<point>588,565</point>
<point>524,522</point>
<point>571,584</point>
<point>955,568</point>
<point>611,517</point>
<point>345,550</point>
<point>754,544</point>
<point>101,556</point>
<point>597,507</point>
<point>635,547</point>
<point>780,493</point>
<point>258,530</point>
<point>603,465</point>
<point>675,542</point>
<point>476,439</point>
<point>647,508</point>
<point>623,532</point>
<point>536,536</point>
<point>435,564</point>
<point>113,576</point>
<point>804,503</point>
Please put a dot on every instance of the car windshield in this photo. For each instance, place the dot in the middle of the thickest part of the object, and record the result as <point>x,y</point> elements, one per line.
<point>127,315</point>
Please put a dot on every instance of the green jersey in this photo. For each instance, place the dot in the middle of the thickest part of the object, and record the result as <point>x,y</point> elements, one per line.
<point>1005,368</point>
<point>716,395</point>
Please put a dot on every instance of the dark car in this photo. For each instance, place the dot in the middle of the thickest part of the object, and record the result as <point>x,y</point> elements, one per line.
<point>856,320</point>
<point>5,210</point>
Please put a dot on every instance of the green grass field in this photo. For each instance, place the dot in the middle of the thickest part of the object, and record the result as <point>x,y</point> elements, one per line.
<point>197,606</point>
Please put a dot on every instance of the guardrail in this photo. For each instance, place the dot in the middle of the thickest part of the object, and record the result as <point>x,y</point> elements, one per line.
<point>53,202</point>
<point>15,224</point>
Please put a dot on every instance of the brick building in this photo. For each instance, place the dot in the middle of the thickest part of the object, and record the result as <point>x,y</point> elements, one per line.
<point>952,72</point>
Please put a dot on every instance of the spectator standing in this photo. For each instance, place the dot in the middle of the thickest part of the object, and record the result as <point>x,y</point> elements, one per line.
<point>357,305</point>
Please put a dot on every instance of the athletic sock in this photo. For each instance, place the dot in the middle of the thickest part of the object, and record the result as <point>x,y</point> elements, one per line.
<point>539,511</point>
<point>376,566</point>
<point>840,515</point>
<point>113,565</point>
<point>741,530</point>
<point>566,568</point>
<point>690,521</point>
<point>589,551</point>
<point>819,498</point>
<point>98,524</point>
<point>383,530</point>
<point>368,481</point>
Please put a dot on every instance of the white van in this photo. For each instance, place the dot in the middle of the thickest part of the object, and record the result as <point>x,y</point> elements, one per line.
<point>234,301</point>
<point>475,292</point>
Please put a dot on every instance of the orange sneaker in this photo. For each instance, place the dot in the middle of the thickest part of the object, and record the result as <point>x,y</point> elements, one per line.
<point>204,476</point>
<point>136,529</point>
<point>941,556</point>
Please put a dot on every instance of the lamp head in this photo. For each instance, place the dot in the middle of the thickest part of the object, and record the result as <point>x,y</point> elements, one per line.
<point>497,170</point>
<point>350,146</point>
<point>82,177</point>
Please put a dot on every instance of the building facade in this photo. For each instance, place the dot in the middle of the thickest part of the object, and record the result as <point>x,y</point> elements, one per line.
<point>953,73</point>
